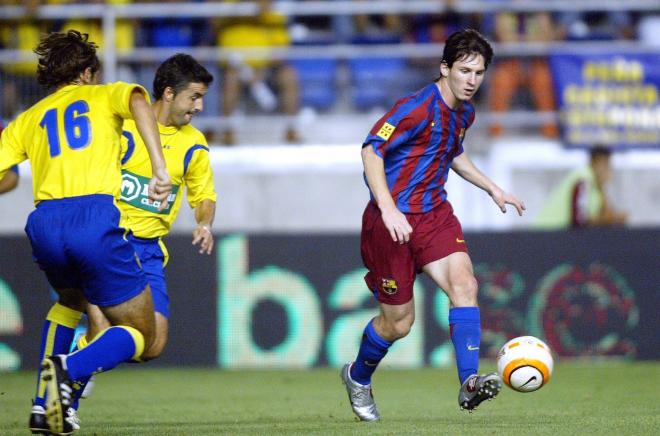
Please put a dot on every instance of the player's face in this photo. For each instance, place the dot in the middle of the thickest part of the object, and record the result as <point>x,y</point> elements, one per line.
<point>187,103</point>
<point>465,76</point>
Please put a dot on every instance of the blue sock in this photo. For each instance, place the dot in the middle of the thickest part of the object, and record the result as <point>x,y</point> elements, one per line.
<point>372,350</point>
<point>108,349</point>
<point>79,385</point>
<point>465,328</point>
<point>56,337</point>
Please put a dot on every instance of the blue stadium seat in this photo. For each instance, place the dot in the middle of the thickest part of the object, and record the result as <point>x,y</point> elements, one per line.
<point>376,81</point>
<point>317,82</point>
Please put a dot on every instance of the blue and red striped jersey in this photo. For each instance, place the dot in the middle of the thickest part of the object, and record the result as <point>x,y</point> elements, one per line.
<point>418,140</point>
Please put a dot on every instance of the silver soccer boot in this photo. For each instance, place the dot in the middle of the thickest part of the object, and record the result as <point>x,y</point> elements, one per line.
<point>360,396</point>
<point>477,389</point>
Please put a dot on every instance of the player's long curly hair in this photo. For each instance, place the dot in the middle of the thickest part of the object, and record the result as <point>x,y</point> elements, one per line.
<point>63,56</point>
<point>177,72</point>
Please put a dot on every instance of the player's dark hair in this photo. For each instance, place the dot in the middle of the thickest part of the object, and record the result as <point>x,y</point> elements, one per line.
<point>599,151</point>
<point>63,57</point>
<point>177,72</point>
<point>464,43</point>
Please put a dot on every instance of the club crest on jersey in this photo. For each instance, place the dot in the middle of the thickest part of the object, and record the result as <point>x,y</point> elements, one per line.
<point>135,191</point>
<point>389,286</point>
<point>386,131</point>
<point>461,134</point>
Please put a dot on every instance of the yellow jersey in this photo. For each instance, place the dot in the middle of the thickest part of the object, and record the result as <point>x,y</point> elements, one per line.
<point>73,140</point>
<point>187,156</point>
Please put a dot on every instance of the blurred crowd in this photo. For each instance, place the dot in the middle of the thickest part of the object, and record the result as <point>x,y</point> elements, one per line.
<point>262,85</point>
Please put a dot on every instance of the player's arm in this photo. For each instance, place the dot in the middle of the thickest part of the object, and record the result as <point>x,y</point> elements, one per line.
<point>202,235</point>
<point>465,168</point>
<point>395,221</point>
<point>160,185</point>
<point>8,182</point>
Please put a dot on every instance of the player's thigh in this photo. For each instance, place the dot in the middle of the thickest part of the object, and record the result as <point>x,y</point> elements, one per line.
<point>153,258</point>
<point>391,271</point>
<point>138,312</point>
<point>455,275</point>
<point>96,321</point>
<point>71,298</point>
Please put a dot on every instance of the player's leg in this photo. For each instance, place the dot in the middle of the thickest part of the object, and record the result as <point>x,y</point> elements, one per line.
<point>59,326</point>
<point>455,276</point>
<point>441,253</point>
<point>153,258</point>
<point>110,277</point>
<point>391,276</point>
<point>57,333</point>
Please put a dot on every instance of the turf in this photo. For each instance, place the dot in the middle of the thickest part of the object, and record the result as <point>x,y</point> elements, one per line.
<point>582,398</point>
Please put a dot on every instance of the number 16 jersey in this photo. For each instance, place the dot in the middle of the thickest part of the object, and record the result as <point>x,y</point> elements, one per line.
<point>73,140</point>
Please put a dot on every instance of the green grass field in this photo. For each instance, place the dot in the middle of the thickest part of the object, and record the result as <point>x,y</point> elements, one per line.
<point>581,399</point>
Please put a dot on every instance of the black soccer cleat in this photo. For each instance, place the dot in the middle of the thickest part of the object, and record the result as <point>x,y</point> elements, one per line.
<point>38,423</point>
<point>59,391</point>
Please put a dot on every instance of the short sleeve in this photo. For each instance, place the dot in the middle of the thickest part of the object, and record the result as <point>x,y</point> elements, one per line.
<point>398,126</point>
<point>198,174</point>
<point>11,150</point>
<point>120,97</point>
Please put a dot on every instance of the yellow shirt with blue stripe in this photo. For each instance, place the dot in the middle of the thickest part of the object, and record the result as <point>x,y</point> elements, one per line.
<point>187,156</point>
<point>73,140</point>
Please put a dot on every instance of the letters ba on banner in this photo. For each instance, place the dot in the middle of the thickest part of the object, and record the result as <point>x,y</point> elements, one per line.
<point>608,99</point>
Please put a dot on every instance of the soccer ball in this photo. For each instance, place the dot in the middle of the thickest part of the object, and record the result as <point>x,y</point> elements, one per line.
<point>525,363</point>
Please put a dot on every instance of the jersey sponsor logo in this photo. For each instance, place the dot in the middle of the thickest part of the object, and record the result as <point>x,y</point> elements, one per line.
<point>135,191</point>
<point>386,131</point>
<point>389,286</point>
<point>472,348</point>
<point>460,241</point>
<point>461,134</point>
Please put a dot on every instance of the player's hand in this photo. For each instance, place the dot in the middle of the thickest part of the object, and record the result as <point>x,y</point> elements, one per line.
<point>397,224</point>
<point>502,198</point>
<point>202,235</point>
<point>160,187</point>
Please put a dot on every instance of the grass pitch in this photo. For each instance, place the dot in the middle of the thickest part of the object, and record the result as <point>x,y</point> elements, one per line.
<point>582,398</point>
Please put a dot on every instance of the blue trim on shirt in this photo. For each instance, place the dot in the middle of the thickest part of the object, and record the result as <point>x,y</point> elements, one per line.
<point>189,154</point>
<point>131,146</point>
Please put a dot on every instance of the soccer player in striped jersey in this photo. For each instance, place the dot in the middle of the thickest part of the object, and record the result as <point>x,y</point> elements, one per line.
<point>72,139</point>
<point>179,87</point>
<point>409,227</point>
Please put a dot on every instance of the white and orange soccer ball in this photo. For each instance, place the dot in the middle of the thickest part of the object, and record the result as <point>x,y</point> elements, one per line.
<point>525,363</point>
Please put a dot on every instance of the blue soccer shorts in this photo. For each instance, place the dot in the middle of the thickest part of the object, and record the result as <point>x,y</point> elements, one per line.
<point>78,243</point>
<point>153,257</point>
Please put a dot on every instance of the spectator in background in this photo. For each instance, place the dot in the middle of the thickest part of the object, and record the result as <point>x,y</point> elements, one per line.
<point>124,33</point>
<point>19,87</point>
<point>648,29</point>
<point>596,26</point>
<point>581,198</point>
<point>378,28</point>
<point>510,74</point>
<point>434,29</point>
<point>267,30</point>
<point>179,31</point>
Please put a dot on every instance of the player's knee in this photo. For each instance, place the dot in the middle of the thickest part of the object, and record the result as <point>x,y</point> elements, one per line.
<point>153,352</point>
<point>464,291</point>
<point>399,329</point>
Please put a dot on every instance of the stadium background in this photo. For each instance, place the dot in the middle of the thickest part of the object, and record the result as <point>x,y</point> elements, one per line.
<point>285,289</point>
